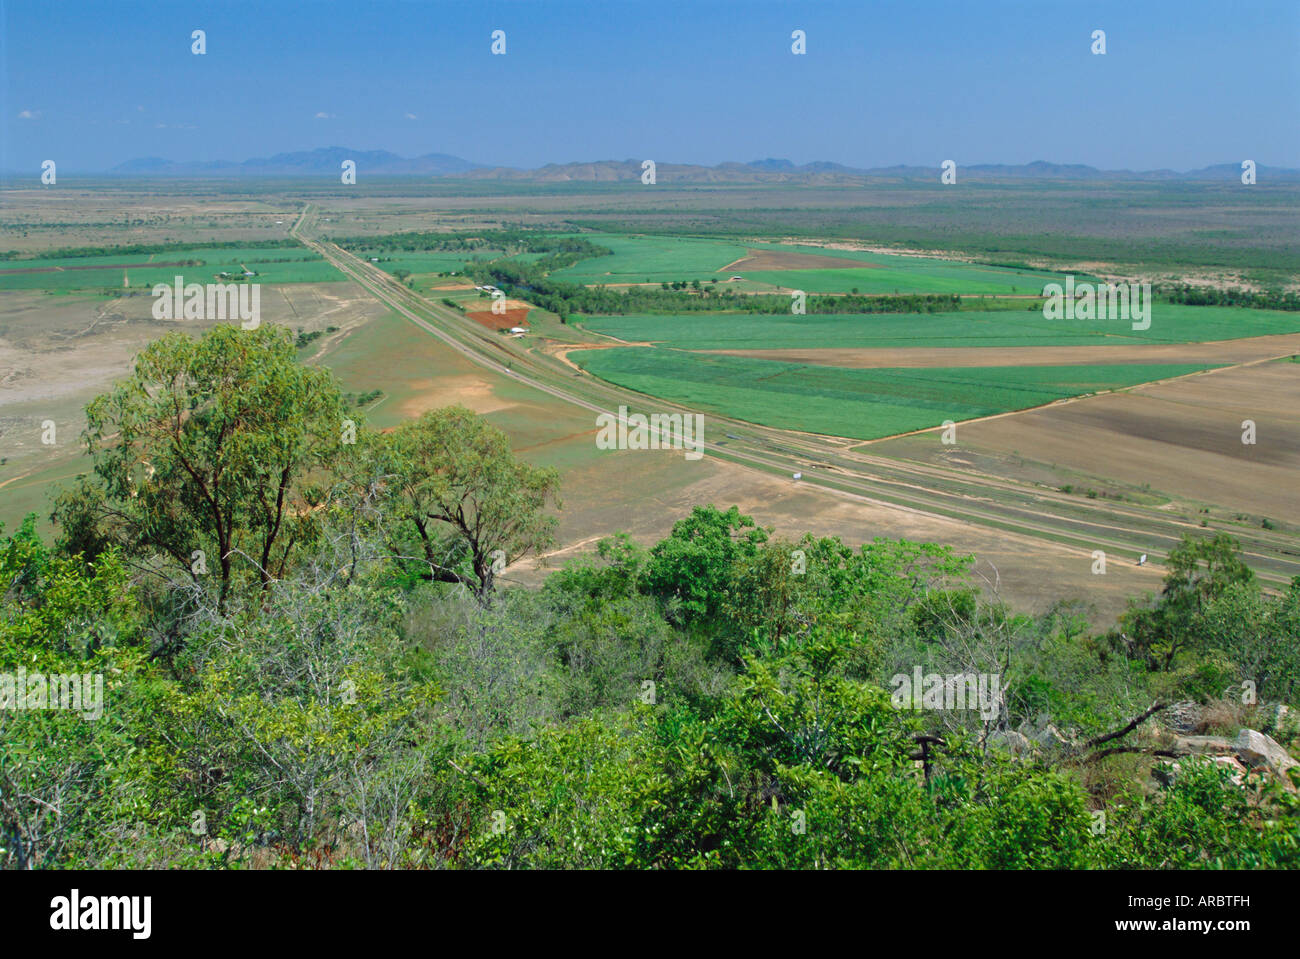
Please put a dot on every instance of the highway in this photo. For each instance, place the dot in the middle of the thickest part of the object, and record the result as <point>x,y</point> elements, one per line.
<point>1122,530</point>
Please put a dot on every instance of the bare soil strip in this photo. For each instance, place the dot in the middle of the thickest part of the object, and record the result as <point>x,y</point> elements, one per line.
<point>1224,351</point>
<point>774,260</point>
<point>561,351</point>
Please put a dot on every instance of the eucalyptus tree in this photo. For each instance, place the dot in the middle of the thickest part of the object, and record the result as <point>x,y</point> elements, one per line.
<point>472,505</point>
<point>210,458</point>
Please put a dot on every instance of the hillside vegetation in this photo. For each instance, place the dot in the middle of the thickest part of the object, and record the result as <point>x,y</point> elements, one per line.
<point>312,655</point>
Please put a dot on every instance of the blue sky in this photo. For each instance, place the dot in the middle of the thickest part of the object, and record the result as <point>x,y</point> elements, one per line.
<point>1183,84</point>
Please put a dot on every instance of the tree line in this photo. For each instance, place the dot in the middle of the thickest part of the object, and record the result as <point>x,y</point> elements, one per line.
<point>1212,296</point>
<point>531,282</point>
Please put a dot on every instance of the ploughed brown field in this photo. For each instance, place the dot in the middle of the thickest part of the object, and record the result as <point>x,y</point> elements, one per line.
<point>500,321</point>
<point>1181,438</point>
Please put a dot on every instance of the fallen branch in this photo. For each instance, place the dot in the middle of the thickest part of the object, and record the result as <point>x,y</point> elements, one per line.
<point>1132,724</point>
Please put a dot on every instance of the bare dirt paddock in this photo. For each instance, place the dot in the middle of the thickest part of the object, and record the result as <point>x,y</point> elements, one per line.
<point>1182,438</point>
<point>1227,352</point>
<point>515,315</point>
<point>58,352</point>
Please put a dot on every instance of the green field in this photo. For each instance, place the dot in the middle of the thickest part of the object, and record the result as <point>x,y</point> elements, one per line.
<point>886,273</point>
<point>107,271</point>
<point>640,259</point>
<point>1170,323</point>
<point>862,404</point>
<point>931,277</point>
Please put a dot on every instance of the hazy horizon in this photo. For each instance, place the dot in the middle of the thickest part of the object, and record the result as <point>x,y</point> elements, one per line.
<point>1182,86</point>
<point>661,161</point>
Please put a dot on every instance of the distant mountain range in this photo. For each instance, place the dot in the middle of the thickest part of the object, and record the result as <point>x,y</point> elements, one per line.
<point>323,162</point>
<point>327,161</point>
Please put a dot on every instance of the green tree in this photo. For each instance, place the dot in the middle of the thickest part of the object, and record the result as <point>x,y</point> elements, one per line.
<point>1200,571</point>
<point>59,617</point>
<point>474,507</point>
<point>207,453</point>
<point>1260,634</point>
<point>694,565</point>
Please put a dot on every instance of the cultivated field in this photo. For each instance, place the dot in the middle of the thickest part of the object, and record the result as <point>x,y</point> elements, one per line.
<point>645,492</point>
<point>655,259</point>
<point>859,403</point>
<point>1249,350</point>
<point>141,271</point>
<point>1175,440</point>
<point>1170,323</point>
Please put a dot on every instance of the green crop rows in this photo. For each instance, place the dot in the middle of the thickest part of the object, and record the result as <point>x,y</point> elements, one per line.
<point>863,404</point>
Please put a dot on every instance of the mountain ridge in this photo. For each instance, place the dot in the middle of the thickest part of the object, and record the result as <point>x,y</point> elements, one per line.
<point>327,161</point>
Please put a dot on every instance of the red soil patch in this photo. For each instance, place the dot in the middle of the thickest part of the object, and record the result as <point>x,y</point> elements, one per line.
<point>500,321</point>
